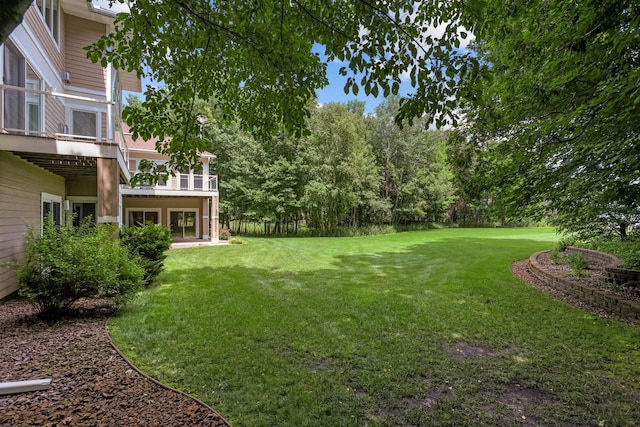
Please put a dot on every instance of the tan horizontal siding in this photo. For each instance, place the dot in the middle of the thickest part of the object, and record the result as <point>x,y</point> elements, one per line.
<point>80,33</point>
<point>55,116</point>
<point>130,81</point>
<point>35,23</point>
<point>7,276</point>
<point>20,194</point>
<point>103,125</point>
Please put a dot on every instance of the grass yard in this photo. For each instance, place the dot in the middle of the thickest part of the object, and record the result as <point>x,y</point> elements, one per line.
<point>409,329</point>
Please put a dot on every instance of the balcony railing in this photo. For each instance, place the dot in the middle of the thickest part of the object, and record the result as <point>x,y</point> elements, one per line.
<point>26,111</point>
<point>183,182</point>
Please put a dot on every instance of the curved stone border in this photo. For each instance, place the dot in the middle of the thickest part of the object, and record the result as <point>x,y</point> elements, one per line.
<point>155,381</point>
<point>613,273</point>
<point>593,257</point>
<point>592,296</point>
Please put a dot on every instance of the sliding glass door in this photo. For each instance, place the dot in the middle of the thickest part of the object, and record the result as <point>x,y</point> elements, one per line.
<point>183,224</point>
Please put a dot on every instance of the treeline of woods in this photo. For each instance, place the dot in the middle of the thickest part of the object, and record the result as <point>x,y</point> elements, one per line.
<point>350,171</point>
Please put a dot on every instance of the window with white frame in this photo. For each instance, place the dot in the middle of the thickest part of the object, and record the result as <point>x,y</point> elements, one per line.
<point>162,178</point>
<point>83,209</point>
<point>51,207</point>
<point>134,167</point>
<point>84,123</point>
<point>184,179</point>
<point>33,102</point>
<point>22,110</point>
<point>50,12</point>
<point>197,179</point>
<point>137,217</point>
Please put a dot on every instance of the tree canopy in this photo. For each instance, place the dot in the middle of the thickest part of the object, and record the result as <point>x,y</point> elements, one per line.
<point>261,62</point>
<point>560,108</point>
<point>11,13</point>
<point>350,170</point>
<point>549,89</point>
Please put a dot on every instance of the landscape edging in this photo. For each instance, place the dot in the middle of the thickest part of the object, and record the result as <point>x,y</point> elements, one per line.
<point>590,295</point>
<point>155,381</point>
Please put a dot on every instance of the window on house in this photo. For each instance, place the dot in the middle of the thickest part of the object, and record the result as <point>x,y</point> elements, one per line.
<point>22,110</point>
<point>13,75</point>
<point>84,123</point>
<point>51,206</point>
<point>82,211</point>
<point>140,217</point>
<point>184,180</point>
<point>33,102</point>
<point>50,12</point>
<point>162,179</point>
<point>183,224</point>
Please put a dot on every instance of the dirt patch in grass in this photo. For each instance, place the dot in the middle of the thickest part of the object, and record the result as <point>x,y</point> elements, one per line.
<point>92,384</point>
<point>521,402</point>
<point>462,350</point>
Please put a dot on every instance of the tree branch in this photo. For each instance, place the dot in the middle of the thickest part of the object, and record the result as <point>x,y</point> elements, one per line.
<point>11,14</point>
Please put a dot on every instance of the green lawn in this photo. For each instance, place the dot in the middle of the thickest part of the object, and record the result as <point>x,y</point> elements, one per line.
<point>421,328</point>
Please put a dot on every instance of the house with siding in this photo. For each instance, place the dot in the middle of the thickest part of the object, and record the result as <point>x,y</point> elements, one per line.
<point>186,201</point>
<point>63,148</point>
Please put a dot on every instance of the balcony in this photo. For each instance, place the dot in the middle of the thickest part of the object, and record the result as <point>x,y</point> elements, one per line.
<point>181,182</point>
<point>35,125</point>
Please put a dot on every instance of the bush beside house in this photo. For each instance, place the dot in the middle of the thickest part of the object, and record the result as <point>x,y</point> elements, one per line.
<point>147,244</point>
<point>66,263</point>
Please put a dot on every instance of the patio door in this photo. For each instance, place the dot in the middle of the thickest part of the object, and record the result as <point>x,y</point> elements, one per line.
<point>184,224</point>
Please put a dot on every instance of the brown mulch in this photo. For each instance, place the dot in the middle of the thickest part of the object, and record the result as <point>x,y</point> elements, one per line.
<point>92,384</point>
<point>593,277</point>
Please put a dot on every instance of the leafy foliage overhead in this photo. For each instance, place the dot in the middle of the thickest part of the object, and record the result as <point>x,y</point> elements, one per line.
<point>560,107</point>
<point>262,61</point>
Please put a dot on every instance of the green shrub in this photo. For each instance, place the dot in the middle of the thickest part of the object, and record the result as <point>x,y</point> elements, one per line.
<point>554,255</point>
<point>64,264</point>
<point>236,241</point>
<point>628,250</point>
<point>577,262</point>
<point>557,255</point>
<point>565,242</point>
<point>147,243</point>
<point>224,234</point>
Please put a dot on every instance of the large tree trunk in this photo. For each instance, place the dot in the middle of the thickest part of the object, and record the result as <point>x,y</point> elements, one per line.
<point>11,13</point>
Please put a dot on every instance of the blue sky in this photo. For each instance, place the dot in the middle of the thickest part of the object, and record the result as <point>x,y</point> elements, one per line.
<point>334,92</point>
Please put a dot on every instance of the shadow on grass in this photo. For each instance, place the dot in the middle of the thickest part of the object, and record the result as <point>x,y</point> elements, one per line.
<point>373,338</point>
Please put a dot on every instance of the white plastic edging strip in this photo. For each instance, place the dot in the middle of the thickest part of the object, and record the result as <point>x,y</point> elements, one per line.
<point>24,386</point>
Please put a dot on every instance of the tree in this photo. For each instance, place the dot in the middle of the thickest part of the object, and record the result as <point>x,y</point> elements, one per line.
<point>416,181</point>
<point>469,204</point>
<point>559,106</point>
<point>263,61</point>
<point>342,182</point>
<point>11,13</point>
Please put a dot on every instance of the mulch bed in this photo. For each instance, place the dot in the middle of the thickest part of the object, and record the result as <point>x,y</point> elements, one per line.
<point>594,277</point>
<point>92,384</point>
